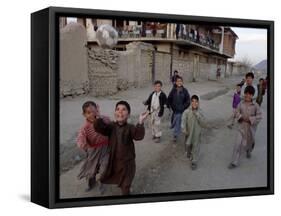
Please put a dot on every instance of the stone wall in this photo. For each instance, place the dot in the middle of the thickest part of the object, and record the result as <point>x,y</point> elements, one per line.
<point>142,63</point>
<point>111,71</point>
<point>183,63</point>
<point>134,65</point>
<point>102,69</point>
<point>162,66</point>
<point>206,71</point>
<point>73,60</point>
<point>229,69</point>
<point>125,77</point>
<point>145,66</point>
<point>185,69</point>
<point>197,66</point>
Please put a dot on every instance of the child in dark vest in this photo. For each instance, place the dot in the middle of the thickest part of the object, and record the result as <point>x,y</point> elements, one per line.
<point>178,101</point>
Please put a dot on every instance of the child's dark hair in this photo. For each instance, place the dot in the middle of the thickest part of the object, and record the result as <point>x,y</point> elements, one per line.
<point>250,74</point>
<point>261,79</point>
<point>175,71</point>
<point>194,97</point>
<point>179,77</point>
<point>125,103</point>
<point>87,104</point>
<point>158,82</point>
<point>239,84</point>
<point>250,90</point>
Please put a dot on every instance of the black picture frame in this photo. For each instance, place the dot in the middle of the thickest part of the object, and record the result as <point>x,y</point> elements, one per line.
<point>45,108</point>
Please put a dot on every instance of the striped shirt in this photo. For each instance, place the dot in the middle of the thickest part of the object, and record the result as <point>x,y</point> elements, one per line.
<point>89,138</point>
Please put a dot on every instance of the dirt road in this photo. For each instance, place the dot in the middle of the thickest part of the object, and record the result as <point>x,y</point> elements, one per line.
<point>163,167</point>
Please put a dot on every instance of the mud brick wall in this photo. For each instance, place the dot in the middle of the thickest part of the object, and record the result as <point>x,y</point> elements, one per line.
<point>73,60</point>
<point>162,66</point>
<point>145,74</point>
<point>183,63</point>
<point>102,69</point>
<point>134,65</point>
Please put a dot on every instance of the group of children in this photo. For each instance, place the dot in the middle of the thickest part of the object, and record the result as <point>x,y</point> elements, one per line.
<point>110,144</point>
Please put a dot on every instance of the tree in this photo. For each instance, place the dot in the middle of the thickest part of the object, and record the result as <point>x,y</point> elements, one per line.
<point>247,62</point>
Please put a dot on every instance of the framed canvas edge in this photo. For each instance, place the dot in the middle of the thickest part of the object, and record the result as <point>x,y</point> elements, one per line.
<point>54,202</point>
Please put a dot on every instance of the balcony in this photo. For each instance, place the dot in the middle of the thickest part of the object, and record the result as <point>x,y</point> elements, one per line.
<point>160,35</point>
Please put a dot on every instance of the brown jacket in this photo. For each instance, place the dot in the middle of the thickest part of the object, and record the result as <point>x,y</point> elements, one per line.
<point>121,167</point>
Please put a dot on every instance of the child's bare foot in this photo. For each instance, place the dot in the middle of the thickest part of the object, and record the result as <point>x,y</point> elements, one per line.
<point>157,139</point>
<point>101,188</point>
<point>193,166</point>
<point>91,184</point>
<point>98,177</point>
<point>248,155</point>
<point>232,166</point>
<point>230,126</point>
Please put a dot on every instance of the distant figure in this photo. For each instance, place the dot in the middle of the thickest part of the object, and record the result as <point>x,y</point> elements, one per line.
<point>242,82</point>
<point>143,30</point>
<point>177,30</point>
<point>95,27</point>
<point>218,75</point>
<point>174,77</point>
<point>261,91</point>
<point>265,83</point>
<point>154,29</point>
<point>248,115</point>
<point>235,102</point>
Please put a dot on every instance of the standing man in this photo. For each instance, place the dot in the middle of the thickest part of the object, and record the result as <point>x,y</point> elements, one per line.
<point>218,73</point>
<point>178,101</point>
<point>174,77</point>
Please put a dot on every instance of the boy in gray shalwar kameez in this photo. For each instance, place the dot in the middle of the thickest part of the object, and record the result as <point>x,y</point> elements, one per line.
<point>249,115</point>
<point>191,125</point>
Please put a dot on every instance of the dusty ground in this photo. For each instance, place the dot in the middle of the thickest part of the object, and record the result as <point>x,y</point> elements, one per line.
<point>163,167</point>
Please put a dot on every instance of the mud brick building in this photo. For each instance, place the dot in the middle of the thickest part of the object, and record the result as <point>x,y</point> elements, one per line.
<point>148,51</point>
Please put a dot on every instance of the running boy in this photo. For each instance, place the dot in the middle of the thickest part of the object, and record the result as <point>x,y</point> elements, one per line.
<point>156,101</point>
<point>191,125</point>
<point>249,115</point>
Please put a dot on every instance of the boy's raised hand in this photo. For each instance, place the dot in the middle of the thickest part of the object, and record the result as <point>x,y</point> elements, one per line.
<point>143,116</point>
<point>97,111</point>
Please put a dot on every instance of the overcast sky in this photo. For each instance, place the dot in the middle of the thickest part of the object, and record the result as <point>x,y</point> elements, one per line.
<point>251,43</point>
